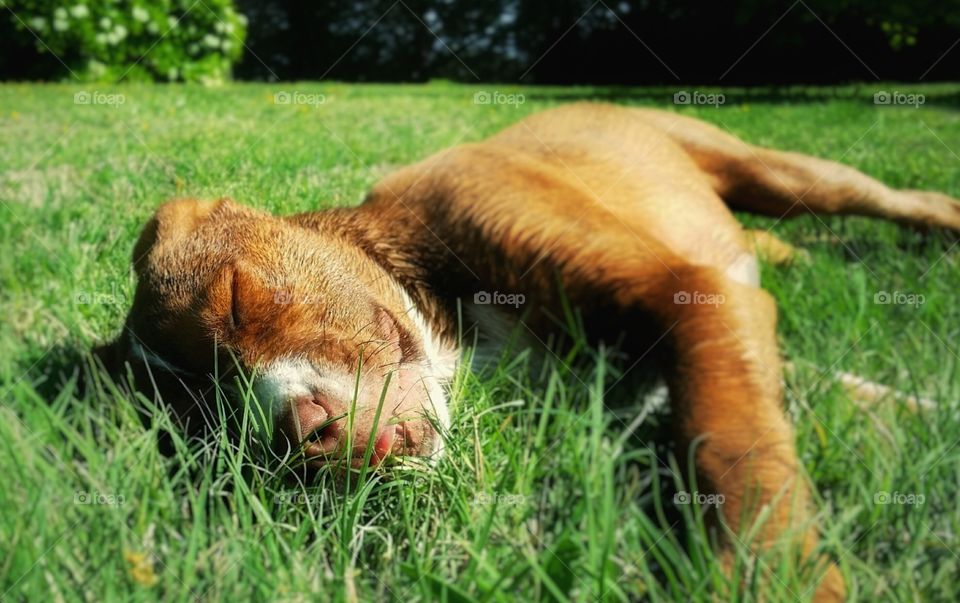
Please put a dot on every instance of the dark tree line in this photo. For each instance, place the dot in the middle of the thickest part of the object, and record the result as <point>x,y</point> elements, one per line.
<point>608,42</point>
<point>584,41</point>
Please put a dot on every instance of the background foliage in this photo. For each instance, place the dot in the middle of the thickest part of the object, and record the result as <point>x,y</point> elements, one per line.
<point>603,42</point>
<point>530,41</point>
<point>114,40</point>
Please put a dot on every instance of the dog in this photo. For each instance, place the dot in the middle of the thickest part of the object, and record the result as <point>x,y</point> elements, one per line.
<point>346,320</point>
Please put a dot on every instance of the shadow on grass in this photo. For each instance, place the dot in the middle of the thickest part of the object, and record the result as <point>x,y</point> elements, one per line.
<point>59,368</point>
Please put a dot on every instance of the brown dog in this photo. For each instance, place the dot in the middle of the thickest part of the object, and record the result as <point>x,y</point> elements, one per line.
<point>625,212</point>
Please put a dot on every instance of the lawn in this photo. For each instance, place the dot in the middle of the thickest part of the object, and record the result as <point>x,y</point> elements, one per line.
<point>549,490</point>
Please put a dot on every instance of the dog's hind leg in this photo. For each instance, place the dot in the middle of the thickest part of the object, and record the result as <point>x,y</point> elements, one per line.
<point>784,184</point>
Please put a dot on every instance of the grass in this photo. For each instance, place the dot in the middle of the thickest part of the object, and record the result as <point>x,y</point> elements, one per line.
<point>545,493</point>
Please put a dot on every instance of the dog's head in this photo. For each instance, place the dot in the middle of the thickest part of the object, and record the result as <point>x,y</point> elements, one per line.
<point>322,332</point>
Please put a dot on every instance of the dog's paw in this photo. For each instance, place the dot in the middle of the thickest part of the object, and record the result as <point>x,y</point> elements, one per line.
<point>937,211</point>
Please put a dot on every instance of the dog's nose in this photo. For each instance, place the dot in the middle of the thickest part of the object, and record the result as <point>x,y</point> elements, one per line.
<point>317,424</point>
<point>320,425</point>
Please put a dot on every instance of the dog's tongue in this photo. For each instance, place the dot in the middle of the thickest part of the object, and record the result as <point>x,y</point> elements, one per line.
<point>383,445</point>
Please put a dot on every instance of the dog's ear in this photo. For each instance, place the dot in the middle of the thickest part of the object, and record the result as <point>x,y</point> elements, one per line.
<point>182,396</point>
<point>174,220</point>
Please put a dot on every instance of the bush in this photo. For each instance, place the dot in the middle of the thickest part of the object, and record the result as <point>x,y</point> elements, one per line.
<point>112,40</point>
<point>748,42</point>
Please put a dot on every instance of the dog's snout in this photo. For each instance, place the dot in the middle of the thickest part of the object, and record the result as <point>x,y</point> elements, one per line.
<point>332,419</point>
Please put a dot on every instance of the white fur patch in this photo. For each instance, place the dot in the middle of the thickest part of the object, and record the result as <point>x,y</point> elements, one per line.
<point>442,358</point>
<point>437,369</point>
<point>745,270</point>
<point>289,378</point>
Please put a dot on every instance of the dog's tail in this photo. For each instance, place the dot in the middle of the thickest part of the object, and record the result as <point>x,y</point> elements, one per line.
<point>868,394</point>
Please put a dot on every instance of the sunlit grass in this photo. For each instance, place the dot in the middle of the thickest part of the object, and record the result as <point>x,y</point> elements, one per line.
<point>549,489</point>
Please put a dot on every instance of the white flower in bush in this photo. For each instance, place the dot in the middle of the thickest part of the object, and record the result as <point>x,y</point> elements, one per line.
<point>96,68</point>
<point>109,37</point>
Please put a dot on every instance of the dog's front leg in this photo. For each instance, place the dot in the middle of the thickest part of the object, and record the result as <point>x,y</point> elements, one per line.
<point>726,400</point>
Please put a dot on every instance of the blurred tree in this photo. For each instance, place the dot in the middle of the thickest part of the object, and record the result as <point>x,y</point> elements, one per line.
<point>588,41</point>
